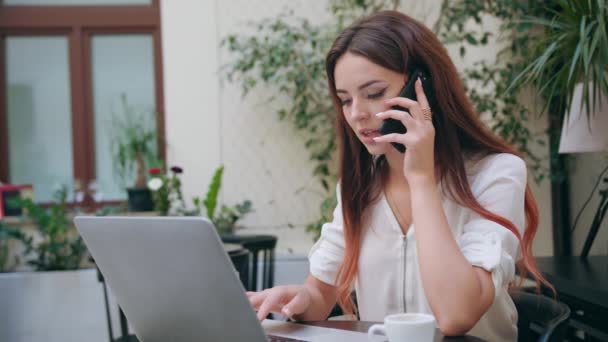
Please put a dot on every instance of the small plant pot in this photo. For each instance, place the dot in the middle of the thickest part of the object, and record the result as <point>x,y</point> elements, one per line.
<point>8,208</point>
<point>140,199</point>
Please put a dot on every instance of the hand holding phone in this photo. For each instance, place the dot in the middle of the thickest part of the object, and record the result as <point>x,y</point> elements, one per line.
<point>408,91</point>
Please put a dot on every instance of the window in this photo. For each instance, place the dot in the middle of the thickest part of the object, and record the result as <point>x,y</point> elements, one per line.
<point>38,111</point>
<point>74,2</point>
<point>65,68</point>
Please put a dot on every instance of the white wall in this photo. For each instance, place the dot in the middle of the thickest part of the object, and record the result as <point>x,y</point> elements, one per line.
<point>208,123</point>
<point>265,159</point>
<point>192,115</point>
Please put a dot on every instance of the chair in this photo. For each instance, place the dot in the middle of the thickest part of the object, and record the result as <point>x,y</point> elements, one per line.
<point>240,260</point>
<point>541,318</point>
<point>256,244</point>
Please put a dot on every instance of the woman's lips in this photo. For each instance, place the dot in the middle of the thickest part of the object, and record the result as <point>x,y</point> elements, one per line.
<point>367,135</point>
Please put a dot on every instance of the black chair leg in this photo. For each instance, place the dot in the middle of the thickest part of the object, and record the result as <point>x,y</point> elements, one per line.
<point>254,272</point>
<point>105,298</point>
<point>271,269</point>
<point>124,326</point>
<point>266,270</point>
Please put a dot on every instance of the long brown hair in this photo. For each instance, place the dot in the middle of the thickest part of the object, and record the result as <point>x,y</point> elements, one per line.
<point>398,42</point>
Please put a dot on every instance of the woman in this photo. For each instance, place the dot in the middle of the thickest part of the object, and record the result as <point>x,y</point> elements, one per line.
<point>436,229</point>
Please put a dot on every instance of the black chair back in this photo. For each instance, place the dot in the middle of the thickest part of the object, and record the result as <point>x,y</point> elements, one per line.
<point>240,260</point>
<point>260,246</point>
<point>541,318</point>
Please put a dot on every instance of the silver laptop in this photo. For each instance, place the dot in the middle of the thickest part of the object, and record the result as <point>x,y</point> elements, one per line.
<point>174,282</point>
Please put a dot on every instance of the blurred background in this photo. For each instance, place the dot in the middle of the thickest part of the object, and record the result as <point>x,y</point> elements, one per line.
<point>220,109</point>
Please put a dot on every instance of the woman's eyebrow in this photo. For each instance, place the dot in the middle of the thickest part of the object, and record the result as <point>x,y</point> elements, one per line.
<point>366,84</point>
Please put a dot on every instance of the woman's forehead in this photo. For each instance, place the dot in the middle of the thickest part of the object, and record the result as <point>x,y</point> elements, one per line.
<point>353,70</point>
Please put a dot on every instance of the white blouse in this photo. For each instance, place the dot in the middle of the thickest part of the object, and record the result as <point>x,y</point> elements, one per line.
<point>388,279</point>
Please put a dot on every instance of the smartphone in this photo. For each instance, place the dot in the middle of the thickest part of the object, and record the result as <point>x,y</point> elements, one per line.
<point>408,91</point>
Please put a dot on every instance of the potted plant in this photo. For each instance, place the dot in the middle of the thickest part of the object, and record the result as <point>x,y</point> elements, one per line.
<point>225,219</point>
<point>166,190</point>
<point>571,48</point>
<point>46,277</point>
<point>54,241</point>
<point>9,236</point>
<point>134,148</point>
<point>168,199</point>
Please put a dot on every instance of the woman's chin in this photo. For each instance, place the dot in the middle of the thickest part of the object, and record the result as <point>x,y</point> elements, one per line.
<point>377,149</point>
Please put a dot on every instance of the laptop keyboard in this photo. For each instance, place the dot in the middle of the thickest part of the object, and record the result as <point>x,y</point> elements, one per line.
<point>274,338</point>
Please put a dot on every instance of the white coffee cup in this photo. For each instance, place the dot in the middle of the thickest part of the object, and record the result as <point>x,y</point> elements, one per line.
<point>405,327</point>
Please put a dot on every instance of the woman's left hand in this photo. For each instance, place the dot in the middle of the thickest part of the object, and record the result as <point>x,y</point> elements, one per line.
<point>419,140</point>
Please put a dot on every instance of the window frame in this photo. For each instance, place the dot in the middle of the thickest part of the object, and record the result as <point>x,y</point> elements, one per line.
<point>79,24</point>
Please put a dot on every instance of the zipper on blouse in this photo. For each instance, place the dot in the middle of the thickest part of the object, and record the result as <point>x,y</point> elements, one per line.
<point>404,244</point>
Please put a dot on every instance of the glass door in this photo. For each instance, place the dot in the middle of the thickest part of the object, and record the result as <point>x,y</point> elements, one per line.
<point>123,84</point>
<point>70,69</point>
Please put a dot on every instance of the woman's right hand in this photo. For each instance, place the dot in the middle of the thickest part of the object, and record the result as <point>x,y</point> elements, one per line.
<point>288,300</point>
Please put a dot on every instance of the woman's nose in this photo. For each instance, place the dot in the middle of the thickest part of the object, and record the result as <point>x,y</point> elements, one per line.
<point>359,110</point>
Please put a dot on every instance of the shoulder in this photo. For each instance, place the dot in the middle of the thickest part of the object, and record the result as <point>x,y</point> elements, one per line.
<point>496,167</point>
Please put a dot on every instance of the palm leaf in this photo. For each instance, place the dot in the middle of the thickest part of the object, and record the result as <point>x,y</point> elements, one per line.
<point>210,201</point>
<point>572,49</point>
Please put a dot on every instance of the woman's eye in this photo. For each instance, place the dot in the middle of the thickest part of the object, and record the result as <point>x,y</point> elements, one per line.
<point>345,102</point>
<point>376,95</point>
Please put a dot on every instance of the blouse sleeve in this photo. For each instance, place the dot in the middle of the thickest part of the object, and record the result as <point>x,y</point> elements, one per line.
<point>500,188</point>
<point>326,255</point>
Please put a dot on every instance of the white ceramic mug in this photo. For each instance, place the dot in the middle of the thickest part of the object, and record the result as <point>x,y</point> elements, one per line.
<point>405,327</point>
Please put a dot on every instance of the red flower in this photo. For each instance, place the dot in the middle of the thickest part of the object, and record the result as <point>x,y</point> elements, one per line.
<point>177,169</point>
<point>154,170</point>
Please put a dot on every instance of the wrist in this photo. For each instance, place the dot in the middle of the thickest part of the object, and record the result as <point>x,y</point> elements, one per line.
<point>422,182</point>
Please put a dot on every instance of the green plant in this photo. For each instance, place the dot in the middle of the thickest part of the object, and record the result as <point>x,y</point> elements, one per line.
<point>287,55</point>
<point>210,202</point>
<point>490,83</point>
<point>166,190</point>
<point>327,208</point>
<point>550,45</point>
<point>134,144</point>
<point>547,43</point>
<point>226,218</point>
<point>7,235</point>
<point>58,246</point>
<point>572,47</point>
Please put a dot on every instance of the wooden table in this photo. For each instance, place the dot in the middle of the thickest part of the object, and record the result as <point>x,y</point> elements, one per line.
<point>361,326</point>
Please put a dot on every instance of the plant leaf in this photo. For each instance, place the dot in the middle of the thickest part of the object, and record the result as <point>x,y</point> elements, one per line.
<point>210,201</point>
